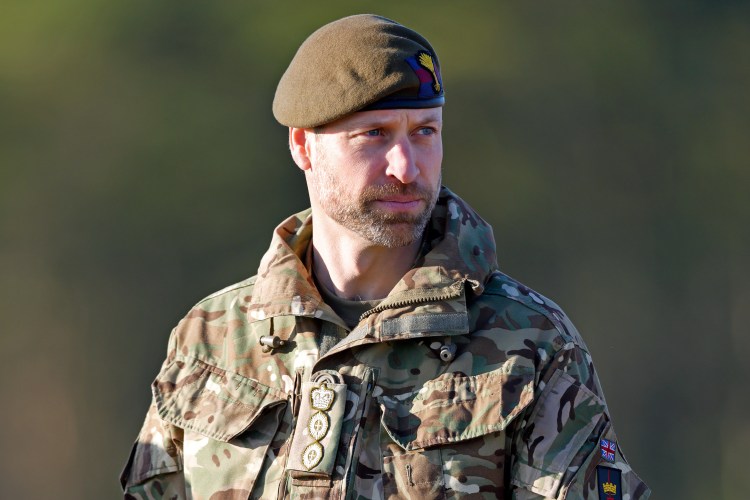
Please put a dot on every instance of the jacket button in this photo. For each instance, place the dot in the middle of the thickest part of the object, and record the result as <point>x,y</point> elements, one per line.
<point>270,342</point>
<point>448,352</point>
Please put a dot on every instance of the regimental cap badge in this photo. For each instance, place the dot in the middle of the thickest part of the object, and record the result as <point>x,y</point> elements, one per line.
<point>321,398</point>
<point>425,60</point>
<point>428,72</point>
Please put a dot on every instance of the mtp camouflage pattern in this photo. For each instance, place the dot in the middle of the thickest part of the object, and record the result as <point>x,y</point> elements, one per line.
<point>513,410</point>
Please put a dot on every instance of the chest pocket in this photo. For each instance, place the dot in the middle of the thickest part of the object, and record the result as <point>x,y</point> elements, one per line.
<point>450,432</point>
<point>228,420</point>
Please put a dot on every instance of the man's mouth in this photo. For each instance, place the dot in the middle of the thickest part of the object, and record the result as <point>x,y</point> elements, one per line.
<point>399,202</point>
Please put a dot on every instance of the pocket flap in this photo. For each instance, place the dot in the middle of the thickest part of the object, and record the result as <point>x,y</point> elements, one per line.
<point>564,419</point>
<point>455,407</point>
<point>214,402</point>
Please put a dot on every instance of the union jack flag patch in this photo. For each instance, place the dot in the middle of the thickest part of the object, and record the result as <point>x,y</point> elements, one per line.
<point>608,450</point>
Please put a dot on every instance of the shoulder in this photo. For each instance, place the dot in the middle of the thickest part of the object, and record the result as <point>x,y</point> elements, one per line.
<point>527,308</point>
<point>228,295</point>
<point>202,332</point>
<point>548,334</point>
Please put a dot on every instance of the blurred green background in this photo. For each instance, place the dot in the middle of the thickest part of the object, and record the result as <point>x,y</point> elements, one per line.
<point>141,169</point>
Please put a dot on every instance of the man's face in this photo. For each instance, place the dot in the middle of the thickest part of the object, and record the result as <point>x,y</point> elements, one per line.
<point>377,173</point>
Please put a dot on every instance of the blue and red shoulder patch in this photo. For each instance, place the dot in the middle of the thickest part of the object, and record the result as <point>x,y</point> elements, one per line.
<point>609,483</point>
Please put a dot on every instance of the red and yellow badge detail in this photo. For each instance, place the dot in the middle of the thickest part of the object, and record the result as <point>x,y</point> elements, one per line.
<point>425,60</point>
<point>428,72</point>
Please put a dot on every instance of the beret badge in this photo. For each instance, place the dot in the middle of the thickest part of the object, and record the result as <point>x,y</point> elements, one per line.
<point>425,60</point>
<point>430,83</point>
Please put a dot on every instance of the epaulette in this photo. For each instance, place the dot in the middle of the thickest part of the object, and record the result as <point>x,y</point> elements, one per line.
<point>503,285</point>
<point>231,288</point>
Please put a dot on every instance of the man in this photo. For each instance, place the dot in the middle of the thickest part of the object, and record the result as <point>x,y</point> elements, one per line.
<point>378,353</point>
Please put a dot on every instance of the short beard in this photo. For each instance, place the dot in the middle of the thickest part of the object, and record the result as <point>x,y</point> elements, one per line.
<point>387,229</point>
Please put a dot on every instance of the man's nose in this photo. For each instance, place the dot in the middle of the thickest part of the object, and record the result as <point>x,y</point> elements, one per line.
<point>401,162</point>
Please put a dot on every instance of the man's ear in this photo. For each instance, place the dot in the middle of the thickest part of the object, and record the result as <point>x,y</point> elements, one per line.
<point>300,147</point>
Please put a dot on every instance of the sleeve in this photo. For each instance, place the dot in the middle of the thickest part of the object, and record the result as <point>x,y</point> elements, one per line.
<point>154,468</point>
<point>566,447</point>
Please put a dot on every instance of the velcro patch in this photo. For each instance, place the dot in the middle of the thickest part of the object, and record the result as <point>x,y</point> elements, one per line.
<point>608,449</point>
<point>609,483</point>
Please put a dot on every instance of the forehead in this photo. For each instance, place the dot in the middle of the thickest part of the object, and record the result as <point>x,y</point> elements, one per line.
<point>385,117</point>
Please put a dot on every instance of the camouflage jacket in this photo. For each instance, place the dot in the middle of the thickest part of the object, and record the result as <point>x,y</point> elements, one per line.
<point>461,383</point>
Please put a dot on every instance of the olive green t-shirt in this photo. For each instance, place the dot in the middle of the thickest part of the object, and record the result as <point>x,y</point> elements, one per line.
<point>348,310</point>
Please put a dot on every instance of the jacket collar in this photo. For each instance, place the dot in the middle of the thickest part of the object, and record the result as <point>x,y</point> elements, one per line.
<point>461,251</point>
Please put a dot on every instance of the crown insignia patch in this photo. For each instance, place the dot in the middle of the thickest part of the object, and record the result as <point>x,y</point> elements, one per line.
<point>609,483</point>
<point>609,488</point>
<point>322,398</point>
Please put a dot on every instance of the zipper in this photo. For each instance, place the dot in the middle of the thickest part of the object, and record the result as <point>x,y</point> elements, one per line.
<point>454,291</point>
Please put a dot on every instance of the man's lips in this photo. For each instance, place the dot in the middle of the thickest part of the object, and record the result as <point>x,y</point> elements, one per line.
<point>399,201</point>
<point>397,198</point>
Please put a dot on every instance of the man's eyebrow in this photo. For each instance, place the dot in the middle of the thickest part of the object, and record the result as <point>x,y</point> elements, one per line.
<point>430,119</point>
<point>372,122</point>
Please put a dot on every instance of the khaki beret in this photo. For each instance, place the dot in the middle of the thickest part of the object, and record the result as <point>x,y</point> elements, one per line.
<point>357,63</point>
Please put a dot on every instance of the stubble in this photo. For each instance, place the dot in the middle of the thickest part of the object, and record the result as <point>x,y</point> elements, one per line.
<point>361,215</point>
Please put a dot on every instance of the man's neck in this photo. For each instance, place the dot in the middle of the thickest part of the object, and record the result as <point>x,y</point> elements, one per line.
<point>354,268</point>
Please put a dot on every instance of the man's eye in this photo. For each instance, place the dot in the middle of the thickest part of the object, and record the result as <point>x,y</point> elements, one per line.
<point>373,133</point>
<point>426,131</point>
